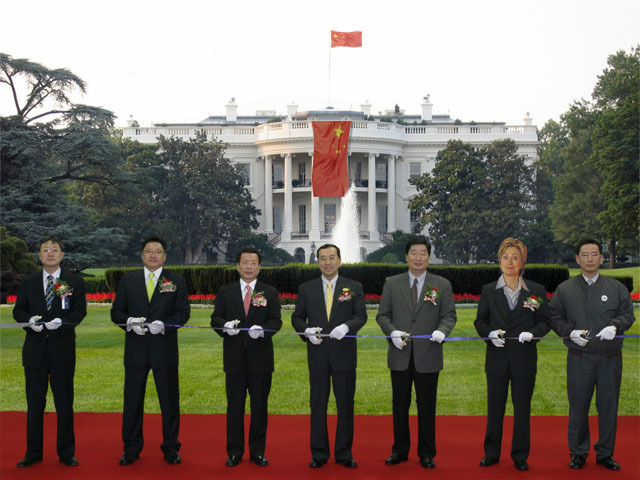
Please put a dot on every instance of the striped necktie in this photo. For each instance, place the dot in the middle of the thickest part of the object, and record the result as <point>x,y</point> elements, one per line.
<point>48,294</point>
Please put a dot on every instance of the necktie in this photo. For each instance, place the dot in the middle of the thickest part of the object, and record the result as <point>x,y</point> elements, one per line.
<point>151,285</point>
<point>329,299</point>
<point>414,294</point>
<point>247,300</point>
<point>48,294</point>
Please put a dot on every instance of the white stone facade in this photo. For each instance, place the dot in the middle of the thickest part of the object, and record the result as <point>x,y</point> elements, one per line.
<point>277,154</point>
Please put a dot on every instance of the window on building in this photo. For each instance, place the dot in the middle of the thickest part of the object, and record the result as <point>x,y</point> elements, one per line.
<point>329,217</point>
<point>382,219</point>
<point>245,172</point>
<point>302,218</point>
<point>381,174</point>
<point>359,214</point>
<point>302,174</point>
<point>298,255</point>
<point>415,169</point>
<point>414,218</point>
<point>358,174</point>
<point>277,174</point>
<point>277,219</point>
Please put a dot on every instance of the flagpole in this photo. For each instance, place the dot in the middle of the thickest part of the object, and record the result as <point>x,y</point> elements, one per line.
<point>329,74</point>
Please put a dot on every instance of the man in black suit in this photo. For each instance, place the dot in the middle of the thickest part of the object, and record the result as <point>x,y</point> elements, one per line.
<point>246,316</point>
<point>150,305</point>
<point>53,302</point>
<point>334,305</point>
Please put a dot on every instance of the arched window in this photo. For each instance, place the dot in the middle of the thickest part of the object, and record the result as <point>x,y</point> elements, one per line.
<point>299,255</point>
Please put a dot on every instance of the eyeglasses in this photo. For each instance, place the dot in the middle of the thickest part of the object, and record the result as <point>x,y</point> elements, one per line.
<point>151,252</point>
<point>50,250</point>
<point>592,254</point>
<point>249,264</point>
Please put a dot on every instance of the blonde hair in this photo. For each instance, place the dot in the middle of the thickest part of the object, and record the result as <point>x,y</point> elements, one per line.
<point>511,242</point>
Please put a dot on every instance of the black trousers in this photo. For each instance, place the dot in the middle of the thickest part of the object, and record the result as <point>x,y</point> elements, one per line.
<point>37,382</point>
<point>584,375</point>
<point>344,389</point>
<point>135,383</point>
<point>521,393</point>
<point>258,386</point>
<point>426,385</point>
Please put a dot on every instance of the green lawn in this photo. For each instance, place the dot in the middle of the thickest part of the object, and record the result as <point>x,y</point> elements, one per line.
<point>462,388</point>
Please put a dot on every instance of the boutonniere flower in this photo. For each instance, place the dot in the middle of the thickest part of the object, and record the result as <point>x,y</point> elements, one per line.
<point>345,296</point>
<point>62,289</point>
<point>167,286</point>
<point>432,295</point>
<point>533,303</point>
<point>258,299</point>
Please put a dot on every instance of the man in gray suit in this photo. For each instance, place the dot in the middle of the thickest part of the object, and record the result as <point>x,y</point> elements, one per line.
<point>415,303</point>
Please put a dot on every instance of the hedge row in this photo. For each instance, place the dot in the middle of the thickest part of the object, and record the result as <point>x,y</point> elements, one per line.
<point>464,278</point>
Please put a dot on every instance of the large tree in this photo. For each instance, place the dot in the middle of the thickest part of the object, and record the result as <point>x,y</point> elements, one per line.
<point>616,146</point>
<point>474,198</point>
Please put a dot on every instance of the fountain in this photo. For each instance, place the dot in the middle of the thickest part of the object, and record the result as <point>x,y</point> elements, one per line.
<point>347,231</point>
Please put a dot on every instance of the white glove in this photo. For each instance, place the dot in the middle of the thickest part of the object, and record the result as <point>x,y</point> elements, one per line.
<point>607,333</point>
<point>53,324</point>
<point>310,334</point>
<point>156,327</point>
<point>339,332</point>
<point>437,336</point>
<point>230,327</point>
<point>495,335</point>
<point>256,332</point>
<point>397,337</point>
<point>135,324</point>
<point>577,338</point>
<point>525,337</point>
<point>34,327</point>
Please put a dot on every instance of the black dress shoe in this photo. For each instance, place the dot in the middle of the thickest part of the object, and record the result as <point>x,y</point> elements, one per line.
<point>260,461</point>
<point>395,459</point>
<point>521,465</point>
<point>349,463</point>
<point>172,457</point>
<point>317,463</point>
<point>28,461</point>
<point>427,462</point>
<point>233,460</point>
<point>488,461</point>
<point>577,461</point>
<point>609,463</point>
<point>70,462</point>
<point>129,458</point>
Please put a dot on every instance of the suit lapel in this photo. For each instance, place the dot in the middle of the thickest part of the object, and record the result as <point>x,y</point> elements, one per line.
<point>141,285</point>
<point>42,290</point>
<point>405,291</point>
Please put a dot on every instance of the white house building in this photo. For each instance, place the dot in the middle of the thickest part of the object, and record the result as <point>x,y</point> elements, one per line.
<point>385,151</point>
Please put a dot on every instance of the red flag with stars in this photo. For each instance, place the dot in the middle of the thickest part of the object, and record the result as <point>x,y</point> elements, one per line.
<point>346,39</point>
<point>330,173</point>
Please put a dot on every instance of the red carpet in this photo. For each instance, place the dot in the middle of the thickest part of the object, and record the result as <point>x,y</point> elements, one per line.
<point>203,450</point>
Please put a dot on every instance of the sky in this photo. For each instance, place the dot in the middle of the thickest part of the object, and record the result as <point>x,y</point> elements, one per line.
<point>181,61</point>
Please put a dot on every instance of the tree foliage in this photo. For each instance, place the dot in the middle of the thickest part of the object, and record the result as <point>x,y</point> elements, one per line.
<point>598,187</point>
<point>394,251</point>
<point>474,198</point>
<point>270,254</point>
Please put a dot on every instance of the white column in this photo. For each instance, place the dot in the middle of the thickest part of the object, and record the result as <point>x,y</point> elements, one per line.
<point>371,208</point>
<point>288,199</point>
<point>391,194</point>
<point>314,233</point>
<point>268,196</point>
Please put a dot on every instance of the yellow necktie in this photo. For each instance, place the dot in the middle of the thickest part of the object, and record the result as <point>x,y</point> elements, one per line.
<point>151,285</point>
<point>329,299</point>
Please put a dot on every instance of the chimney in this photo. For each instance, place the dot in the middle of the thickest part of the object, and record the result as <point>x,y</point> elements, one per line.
<point>232,110</point>
<point>528,120</point>
<point>366,108</point>
<point>427,108</point>
<point>292,109</point>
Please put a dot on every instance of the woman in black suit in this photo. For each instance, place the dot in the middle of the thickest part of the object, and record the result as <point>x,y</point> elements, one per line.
<point>513,315</point>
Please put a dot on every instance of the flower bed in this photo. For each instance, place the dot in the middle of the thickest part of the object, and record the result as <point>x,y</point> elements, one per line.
<point>285,298</point>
